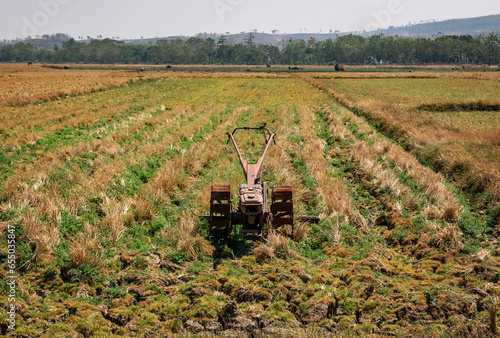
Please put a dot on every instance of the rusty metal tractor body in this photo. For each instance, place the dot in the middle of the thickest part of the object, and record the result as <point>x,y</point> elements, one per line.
<point>253,212</point>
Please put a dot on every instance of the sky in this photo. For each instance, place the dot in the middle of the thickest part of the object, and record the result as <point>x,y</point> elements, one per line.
<point>128,19</point>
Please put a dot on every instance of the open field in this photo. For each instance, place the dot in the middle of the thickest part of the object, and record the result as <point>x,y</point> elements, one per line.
<point>450,122</point>
<point>357,70</point>
<point>23,85</point>
<point>103,191</point>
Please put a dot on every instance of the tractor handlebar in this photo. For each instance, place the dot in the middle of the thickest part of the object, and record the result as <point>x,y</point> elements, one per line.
<point>266,132</point>
<point>251,171</point>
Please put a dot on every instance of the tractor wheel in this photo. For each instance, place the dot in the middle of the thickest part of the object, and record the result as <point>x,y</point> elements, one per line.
<point>220,211</point>
<point>282,207</point>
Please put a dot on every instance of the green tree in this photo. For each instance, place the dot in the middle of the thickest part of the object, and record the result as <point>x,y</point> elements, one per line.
<point>294,52</point>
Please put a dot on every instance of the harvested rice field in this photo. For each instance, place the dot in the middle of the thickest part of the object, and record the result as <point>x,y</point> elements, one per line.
<point>105,175</point>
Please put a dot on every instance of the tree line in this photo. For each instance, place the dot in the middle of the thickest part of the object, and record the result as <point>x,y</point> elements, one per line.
<point>352,49</point>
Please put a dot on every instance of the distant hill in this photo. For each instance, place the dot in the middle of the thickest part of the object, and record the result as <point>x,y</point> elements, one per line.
<point>44,42</point>
<point>276,39</point>
<point>153,40</point>
<point>469,26</point>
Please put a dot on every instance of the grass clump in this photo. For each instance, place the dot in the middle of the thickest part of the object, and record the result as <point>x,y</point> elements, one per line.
<point>276,246</point>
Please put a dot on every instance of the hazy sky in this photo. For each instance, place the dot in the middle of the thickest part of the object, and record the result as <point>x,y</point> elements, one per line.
<point>150,18</point>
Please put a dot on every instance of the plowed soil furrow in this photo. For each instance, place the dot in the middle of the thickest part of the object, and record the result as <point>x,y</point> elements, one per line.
<point>444,204</point>
<point>107,156</point>
<point>331,190</point>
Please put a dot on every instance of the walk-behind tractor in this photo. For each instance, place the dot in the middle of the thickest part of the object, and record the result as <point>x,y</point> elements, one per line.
<point>253,211</point>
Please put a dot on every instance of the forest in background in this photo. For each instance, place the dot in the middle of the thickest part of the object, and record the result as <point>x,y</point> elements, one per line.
<point>352,49</point>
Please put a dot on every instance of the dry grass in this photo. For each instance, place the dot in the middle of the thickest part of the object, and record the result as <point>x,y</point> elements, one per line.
<point>275,246</point>
<point>481,255</point>
<point>24,85</point>
<point>216,289</point>
<point>49,208</point>
<point>336,229</point>
<point>432,212</point>
<point>301,231</point>
<point>446,234</point>
<point>85,247</point>
<point>463,137</point>
<point>115,216</point>
<point>367,158</point>
<point>40,237</point>
<point>448,212</point>
<point>166,180</point>
<point>332,190</point>
<point>492,311</point>
<point>278,158</point>
<point>143,209</point>
<point>200,154</point>
<point>212,148</point>
<point>20,192</point>
<point>185,229</point>
<point>280,245</point>
<point>491,137</point>
<point>171,175</point>
<point>35,194</point>
<point>185,236</point>
<point>28,124</point>
<point>411,203</point>
<point>451,213</point>
<point>263,252</point>
<point>430,182</point>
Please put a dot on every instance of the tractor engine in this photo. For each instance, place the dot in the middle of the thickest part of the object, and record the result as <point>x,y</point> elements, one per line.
<point>252,203</point>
